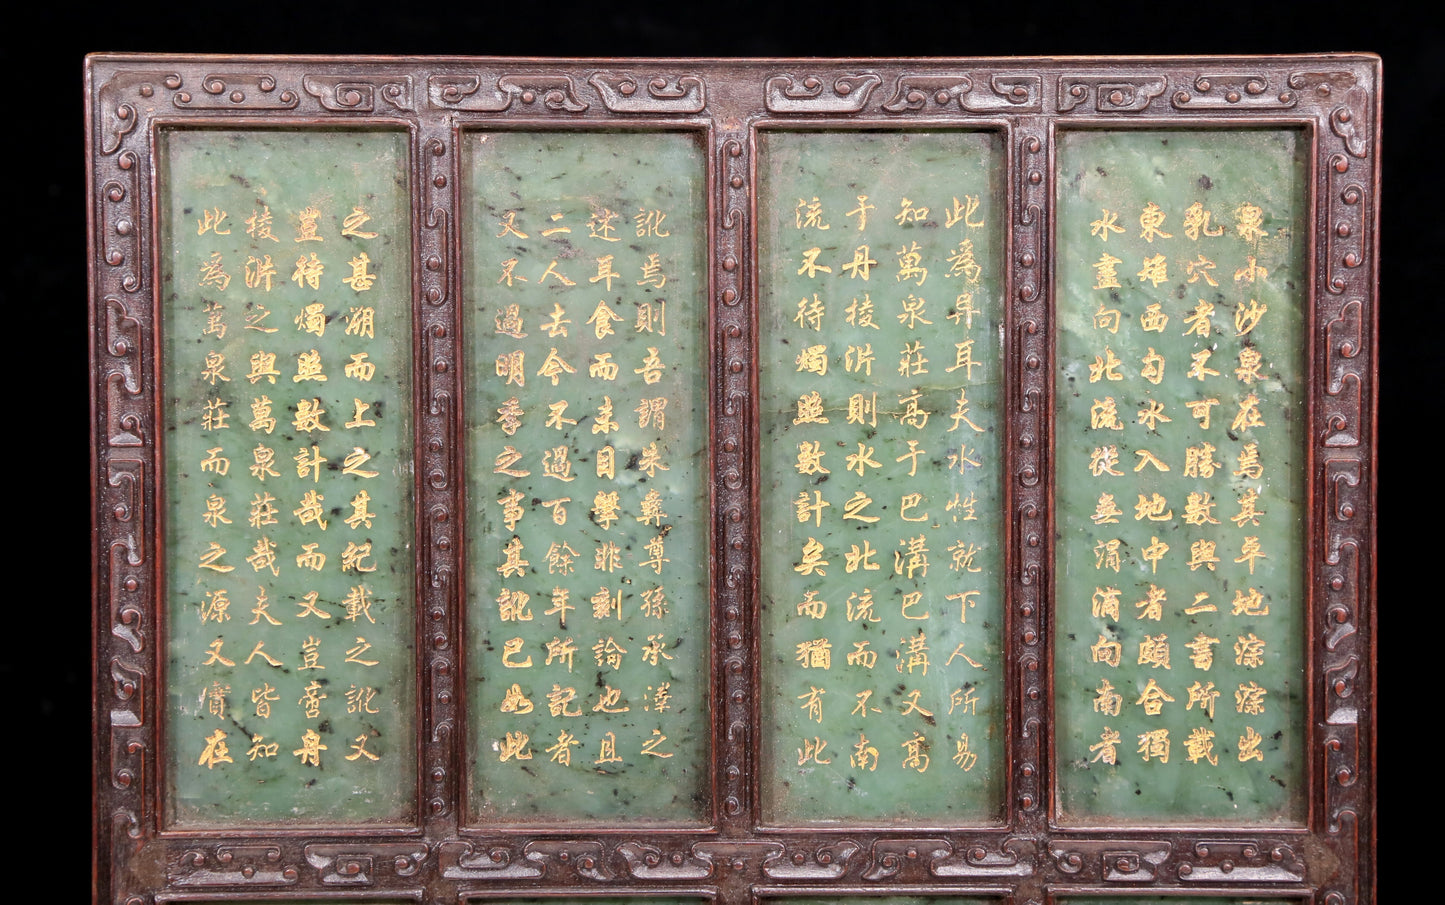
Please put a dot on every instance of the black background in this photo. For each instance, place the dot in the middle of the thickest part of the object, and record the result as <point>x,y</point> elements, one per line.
<point>44,660</point>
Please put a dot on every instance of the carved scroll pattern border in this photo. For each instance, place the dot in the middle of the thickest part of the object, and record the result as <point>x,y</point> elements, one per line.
<point>125,745</point>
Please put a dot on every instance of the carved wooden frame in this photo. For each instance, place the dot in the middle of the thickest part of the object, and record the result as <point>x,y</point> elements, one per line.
<point>1335,99</point>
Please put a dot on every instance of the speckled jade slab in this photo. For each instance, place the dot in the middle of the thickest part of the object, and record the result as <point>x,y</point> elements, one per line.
<point>286,330</point>
<point>586,432</point>
<point>880,283</point>
<point>1179,652</point>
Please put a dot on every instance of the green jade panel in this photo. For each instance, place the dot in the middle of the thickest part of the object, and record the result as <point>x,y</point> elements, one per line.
<point>880,322</point>
<point>587,434</point>
<point>286,331</point>
<point>1180,447</point>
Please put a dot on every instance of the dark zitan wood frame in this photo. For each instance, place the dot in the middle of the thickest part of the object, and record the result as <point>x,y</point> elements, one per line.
<point>441,856</point>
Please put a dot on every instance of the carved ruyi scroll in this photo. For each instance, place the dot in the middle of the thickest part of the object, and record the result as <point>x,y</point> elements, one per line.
<point>693,481</point>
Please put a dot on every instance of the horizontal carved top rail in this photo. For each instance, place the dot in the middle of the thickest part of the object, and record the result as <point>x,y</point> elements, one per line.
<point>733,480</point>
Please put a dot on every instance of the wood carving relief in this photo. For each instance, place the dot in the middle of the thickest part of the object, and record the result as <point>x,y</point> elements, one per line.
<point>664,94</point>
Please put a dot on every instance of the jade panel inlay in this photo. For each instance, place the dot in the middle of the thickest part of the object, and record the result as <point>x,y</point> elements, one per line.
<point>286,326</point>
<point>586,433</point>
<point>880,262</point>
<point>1180,454</point>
